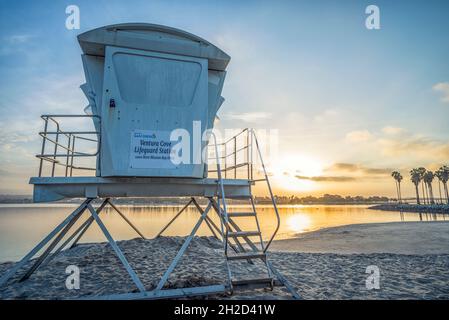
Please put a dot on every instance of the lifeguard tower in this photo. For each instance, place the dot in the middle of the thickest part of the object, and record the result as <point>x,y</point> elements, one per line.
<point>148,86</point>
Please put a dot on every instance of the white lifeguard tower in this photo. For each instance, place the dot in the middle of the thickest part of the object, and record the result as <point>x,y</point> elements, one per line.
<point>144,83</point>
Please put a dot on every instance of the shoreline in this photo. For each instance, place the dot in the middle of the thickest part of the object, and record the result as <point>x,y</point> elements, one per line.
<point>413,259</point>
<point>410,238</point>
<point>422,208</point>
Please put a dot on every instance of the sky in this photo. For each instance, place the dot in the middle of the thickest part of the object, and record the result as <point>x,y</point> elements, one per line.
<point>349,104</point>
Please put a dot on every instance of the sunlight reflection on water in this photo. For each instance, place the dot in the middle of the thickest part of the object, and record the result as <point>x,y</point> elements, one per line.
<point>22,226</point>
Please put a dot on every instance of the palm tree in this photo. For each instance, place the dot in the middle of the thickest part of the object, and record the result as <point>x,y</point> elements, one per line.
<point>428,178</point>
<point>398,178</point>
<point>439,175</point>
<point>415,177</point>
<point>422,172</point>
<point>395,175</point>
<point>443,176</point>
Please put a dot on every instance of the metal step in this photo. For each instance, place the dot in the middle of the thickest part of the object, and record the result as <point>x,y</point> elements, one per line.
<point>247,255</point>
<point>255,281</point>
<point>243,234</point>
<point>241,214</point>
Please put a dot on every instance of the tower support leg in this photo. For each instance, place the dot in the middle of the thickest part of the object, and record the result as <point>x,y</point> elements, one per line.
<point>82,227</point>
<point>117,250</point>
<point>41,244</point>
<point>125,218</point>
<point>174,218</point>
<point>183,249</point>
<point>209,222</point>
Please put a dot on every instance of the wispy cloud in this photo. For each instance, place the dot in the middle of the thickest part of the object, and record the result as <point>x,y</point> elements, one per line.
<point>443,88</point>
<point>250,117</point>
<point>358,168</point>
<point>390,130</point>
<point>358,136</point>
<point>415,146</point>
<point>327,178</point>
<point>347,172</point>
<point>15,43</point>
<point>326,115</point>
<point>18,38</point>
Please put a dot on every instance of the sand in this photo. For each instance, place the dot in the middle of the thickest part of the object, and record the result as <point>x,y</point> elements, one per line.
<point>394,237</point>
<point>413,260</point>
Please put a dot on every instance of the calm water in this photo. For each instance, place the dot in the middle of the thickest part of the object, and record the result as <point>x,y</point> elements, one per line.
<point>23,226</point>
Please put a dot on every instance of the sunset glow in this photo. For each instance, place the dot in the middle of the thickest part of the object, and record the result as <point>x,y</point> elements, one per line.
<point>299,223</point>
<point>285,172</point>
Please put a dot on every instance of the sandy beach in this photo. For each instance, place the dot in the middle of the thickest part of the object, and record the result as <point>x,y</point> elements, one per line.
<point>411,238</point>
<point>413,260</point>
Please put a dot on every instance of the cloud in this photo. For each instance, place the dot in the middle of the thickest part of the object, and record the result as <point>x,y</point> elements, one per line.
<point>351,172</point>
<point>328,114</point>
<point>415,146</point>
<point>392,130</point>
<point>16,43</point>
<point>381,171</point>
<point>327,178</point>
<point>18,38</point>
<point>343,166</point>
<point>358,136</point>
<point>357,168</point>
<point>394,146</point>
<point>247,116</point>
<point>443,87</point>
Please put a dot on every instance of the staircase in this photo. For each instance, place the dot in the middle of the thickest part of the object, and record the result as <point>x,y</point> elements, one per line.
<point>246,246</point>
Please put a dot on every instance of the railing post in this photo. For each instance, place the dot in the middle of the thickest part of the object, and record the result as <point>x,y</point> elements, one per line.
<point>251,153</point>
<point>235,157</point>
<point>73,151</point>
<point>226,160</point>
<point>68,155</point>
<point>56,150</point>
<point>247,154</point>
<point>44,138</point>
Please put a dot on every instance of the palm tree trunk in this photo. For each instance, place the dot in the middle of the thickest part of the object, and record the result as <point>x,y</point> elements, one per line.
<point>447,194</point>
<point>439,188</point>
<point>423,193</point>
<point>431,194</point>
<point>397,189</point>
<point>417,194</point>
<point>400,196</point>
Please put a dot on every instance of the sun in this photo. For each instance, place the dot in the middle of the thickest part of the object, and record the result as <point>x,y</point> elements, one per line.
<point>285,172</point>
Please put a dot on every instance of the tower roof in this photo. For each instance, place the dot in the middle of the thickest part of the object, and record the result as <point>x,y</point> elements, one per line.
<point>152,37</point>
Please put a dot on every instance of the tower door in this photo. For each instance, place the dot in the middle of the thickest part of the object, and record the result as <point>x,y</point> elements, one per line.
<point>147,95</point>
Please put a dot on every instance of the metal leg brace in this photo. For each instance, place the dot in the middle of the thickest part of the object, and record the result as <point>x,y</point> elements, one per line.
<point>41,244</point>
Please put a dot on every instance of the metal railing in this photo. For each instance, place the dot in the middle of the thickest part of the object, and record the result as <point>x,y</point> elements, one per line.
<point>231,161</point>
<point>270,191</point>
<point>65,158</point>
<point>229,168</point>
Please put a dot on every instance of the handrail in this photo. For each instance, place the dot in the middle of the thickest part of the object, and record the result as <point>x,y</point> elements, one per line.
<point>225,230</point>
<point>220,180</point>
<point>233,165</point>
<point>278,224</point>
<point>251,139</point>
<point>69,149</point>
<point>230,139</point>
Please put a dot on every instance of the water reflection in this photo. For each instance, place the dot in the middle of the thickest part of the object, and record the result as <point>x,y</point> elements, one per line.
<point>299,223</point>
<point>23,226</point>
